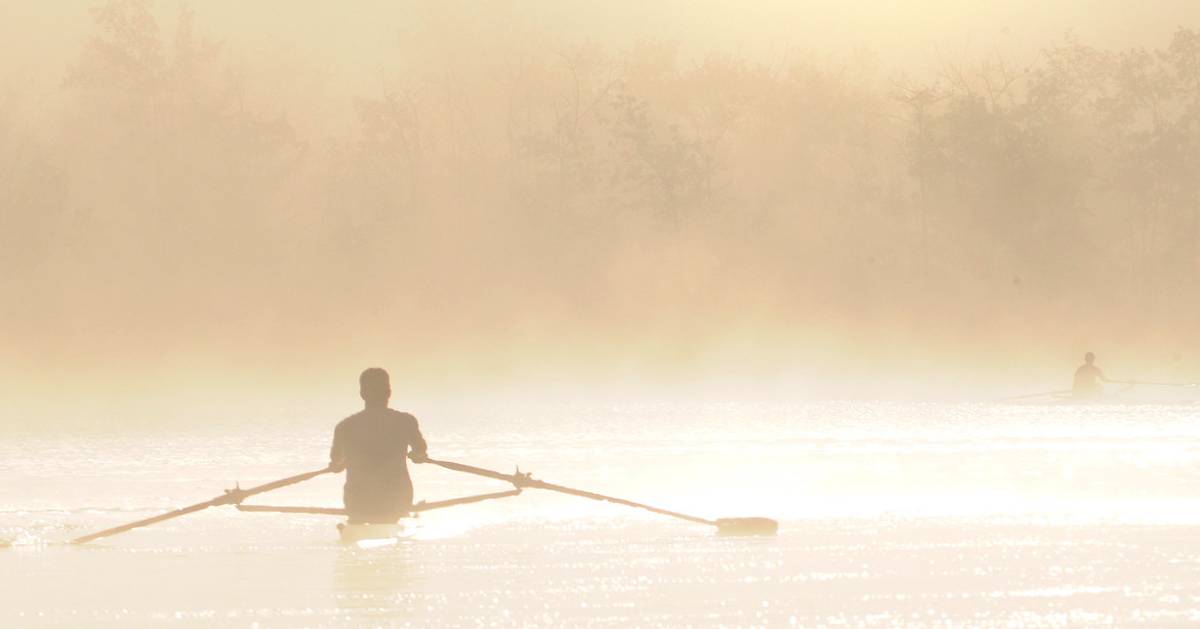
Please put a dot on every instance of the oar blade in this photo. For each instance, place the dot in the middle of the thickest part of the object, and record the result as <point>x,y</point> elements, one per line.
<point>747,526</point>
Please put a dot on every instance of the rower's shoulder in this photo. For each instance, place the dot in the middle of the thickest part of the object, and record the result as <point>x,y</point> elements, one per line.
<point>352,419</point>
<point>402,416</point>
<point>373,416</point>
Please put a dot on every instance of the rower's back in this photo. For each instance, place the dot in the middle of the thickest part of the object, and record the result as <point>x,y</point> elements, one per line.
<point>372,446</point>
<point>1087,378</point>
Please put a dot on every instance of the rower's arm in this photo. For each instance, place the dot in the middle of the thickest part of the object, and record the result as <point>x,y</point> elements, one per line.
<point>417,447</point>
<point>337,453</point>
<point>1103,378</point>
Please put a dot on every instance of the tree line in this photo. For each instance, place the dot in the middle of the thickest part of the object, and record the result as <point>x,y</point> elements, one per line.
<point>517,184</point>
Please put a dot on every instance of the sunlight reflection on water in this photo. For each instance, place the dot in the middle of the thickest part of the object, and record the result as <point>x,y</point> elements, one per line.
<point>919,514</point>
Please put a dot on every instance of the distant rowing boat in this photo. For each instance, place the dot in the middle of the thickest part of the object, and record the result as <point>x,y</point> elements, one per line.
<point>1132,392</point>
<point>1102,400</point>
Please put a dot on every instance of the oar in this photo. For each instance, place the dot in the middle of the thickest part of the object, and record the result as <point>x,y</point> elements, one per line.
<point>727,526</point>
<point>1031,395</point>
<point>1157,384</point>
<point>231,496</point>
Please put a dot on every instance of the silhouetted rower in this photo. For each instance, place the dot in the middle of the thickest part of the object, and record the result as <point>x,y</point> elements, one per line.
<point>372,446</point>
<point>1088,378</point>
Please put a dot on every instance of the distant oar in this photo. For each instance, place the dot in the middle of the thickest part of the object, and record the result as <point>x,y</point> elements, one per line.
<point>1157,384</point>
<point>1032,395</point>
<point>231,496</point>
<point>727,526</point>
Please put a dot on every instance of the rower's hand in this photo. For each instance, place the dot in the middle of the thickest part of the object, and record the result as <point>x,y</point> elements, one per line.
<point>418,457</point>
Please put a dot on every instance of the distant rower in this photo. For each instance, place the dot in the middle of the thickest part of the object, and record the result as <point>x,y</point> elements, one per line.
<point>371,446</point>
<point>1088,378</point>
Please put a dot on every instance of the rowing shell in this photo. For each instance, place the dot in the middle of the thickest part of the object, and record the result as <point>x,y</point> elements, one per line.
<point>380,534</point>
<point>385,534</point>
<point>370,535</point>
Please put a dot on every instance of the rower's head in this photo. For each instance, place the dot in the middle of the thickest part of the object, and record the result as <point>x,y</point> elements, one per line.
<point>1088,358</point>
<point>375,386</point>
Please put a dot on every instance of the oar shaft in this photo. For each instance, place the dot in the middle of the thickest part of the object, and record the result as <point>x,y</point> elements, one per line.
<point>283,482</point>
<point>1031,395</point>
<point>1157,384</point>
<point>232,496</point>
<point>621,501</point>
<point>465,500</point>
<point>417,508</point>
<point>523,480</point>
<point>308,510</point>
<point>515,479</point>
<point>145,522</point>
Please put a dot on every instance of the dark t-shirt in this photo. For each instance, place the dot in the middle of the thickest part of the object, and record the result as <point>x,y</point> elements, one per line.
<point>1087,379</point>
<point>373,445</point>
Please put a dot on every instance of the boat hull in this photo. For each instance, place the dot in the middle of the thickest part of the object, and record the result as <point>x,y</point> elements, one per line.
<point>371,534</point>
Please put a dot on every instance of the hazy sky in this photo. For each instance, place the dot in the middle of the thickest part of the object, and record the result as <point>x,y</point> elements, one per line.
<point>306,65</point>
<point>328,49</point>
<point>353,40</point>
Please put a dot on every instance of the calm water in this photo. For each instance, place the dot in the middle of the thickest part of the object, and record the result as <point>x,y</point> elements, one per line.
<point>923,515</point>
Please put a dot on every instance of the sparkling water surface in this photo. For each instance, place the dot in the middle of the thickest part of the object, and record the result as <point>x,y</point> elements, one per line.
<point>891,514</point>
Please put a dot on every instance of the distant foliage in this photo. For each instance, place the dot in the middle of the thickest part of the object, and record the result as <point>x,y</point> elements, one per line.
<point>503,179</point>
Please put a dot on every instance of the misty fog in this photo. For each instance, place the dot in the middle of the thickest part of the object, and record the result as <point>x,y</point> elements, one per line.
<point>255,201</point>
